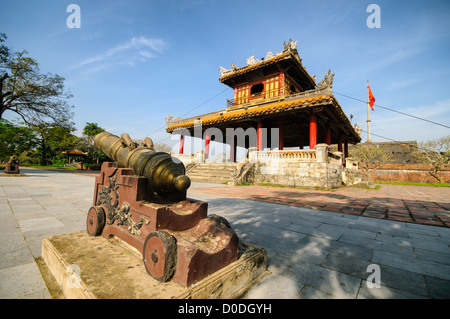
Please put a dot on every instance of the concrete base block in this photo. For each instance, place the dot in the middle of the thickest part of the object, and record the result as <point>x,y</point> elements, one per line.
<point>88,267</point>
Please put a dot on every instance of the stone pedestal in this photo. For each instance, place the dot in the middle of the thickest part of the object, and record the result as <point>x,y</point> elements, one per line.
<point>88,267</point>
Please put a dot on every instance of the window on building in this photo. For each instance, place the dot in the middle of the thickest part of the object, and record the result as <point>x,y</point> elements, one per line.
<point>257,89</point>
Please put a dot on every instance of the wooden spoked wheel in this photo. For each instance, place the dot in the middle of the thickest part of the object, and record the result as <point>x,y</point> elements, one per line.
<point>160,255</point>
<point>95,221</point>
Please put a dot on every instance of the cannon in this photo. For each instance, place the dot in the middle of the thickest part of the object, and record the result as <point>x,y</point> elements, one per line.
<point>12,167</point>
<point>140,198</point>
<point>165,177</point>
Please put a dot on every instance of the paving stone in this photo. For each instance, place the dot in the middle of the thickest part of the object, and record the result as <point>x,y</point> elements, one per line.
<point>22,282</point>
<point>331,233</point>
<point>39,223</point>
<point>384,292</point>
<point>348,265</point>
<point>403,280</point>
<point>311,253</point>
<point>438,288</point>
<point>308,292</point>
<point>435,244</point>
<point>275,287</point>
<point>328,281</point>
<point>433,256</point>
<point>401,261</point>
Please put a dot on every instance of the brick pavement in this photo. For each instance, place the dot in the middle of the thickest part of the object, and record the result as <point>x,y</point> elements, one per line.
<point>414,204</point>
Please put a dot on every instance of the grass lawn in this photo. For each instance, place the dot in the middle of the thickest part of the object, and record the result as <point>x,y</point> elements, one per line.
<point>48,166</point>
<point>415,184</point>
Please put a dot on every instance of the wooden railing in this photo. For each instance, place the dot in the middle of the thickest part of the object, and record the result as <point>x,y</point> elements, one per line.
<point>271,96</point>
<point>274,94</point>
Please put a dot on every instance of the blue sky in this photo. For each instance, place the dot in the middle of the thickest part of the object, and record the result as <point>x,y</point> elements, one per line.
<point>133,62</point>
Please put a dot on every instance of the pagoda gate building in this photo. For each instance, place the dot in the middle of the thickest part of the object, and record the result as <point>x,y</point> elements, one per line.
<point>283,118</point>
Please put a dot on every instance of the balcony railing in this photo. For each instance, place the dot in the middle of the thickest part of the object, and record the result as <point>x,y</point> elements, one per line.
<point>269,95</point>
<point>272,96</point>
<point>262,98</point>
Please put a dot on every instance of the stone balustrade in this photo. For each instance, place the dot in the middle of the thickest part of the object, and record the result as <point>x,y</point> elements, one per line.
<point>190,158</point>
<point>287,155</point>
<point>320,154</point>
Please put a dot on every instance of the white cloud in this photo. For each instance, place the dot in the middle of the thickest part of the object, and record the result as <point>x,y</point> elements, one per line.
<point>137,48</point>
<point>146,54</point>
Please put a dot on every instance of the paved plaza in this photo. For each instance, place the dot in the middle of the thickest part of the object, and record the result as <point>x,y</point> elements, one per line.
<point>320,244</point>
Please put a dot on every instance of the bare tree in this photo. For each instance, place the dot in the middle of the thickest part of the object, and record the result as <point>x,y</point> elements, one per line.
<point>435,153</point>
<point>34,96</point>
<point>161,147</point>
<point>368,154</point>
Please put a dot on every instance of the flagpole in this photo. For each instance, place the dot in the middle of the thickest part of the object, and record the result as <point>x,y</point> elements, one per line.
<point>368,113</point>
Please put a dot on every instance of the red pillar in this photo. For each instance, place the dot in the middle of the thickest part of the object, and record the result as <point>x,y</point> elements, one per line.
<point>207,140</point>
<point>301,136</point>
<point>181,144</point>
<point>339,144</point>
<point>233,149</point>
<point>259,136</point>
<point>345,148</point>
<point>328,134</point>
<point>313,131</point>
<point>280,133</point>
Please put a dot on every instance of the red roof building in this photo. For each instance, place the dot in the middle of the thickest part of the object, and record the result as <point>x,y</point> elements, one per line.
<point>275,92</point>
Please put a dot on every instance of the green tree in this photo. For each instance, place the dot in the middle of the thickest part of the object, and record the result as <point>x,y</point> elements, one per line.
<point>34,96</point>
<point>89,132</point>
<point>15,139</point>
<point>92,129</point>
<point>53,140</point>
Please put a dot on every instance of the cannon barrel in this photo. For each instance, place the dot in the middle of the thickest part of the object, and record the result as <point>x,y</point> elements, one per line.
<point>165,177</point>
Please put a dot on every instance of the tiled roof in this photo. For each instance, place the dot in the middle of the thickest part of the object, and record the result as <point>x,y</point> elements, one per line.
<point>75,152</point>
<point>254,111</point>
<point>257,66</point>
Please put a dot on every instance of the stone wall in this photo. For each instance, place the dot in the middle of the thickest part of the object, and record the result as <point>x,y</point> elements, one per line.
<point>299,174</point>
<point>400,151</point>
<point>411,173</point>
<point>298,168</point>
<point>316,168</point>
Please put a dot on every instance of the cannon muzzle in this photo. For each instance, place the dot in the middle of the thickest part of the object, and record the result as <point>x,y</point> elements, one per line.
<point>166,177</point>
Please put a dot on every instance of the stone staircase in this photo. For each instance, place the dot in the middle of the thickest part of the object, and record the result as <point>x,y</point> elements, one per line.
<point>218,173</point>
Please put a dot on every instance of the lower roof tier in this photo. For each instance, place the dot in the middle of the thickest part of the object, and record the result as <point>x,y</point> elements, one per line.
<point>295,114</point>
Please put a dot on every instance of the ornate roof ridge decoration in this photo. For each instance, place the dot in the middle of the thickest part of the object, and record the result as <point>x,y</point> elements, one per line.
<point>291,46</point>
<point>327,81</point>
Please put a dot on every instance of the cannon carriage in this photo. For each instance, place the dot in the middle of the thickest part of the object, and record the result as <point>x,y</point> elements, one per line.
<point>141,199</point>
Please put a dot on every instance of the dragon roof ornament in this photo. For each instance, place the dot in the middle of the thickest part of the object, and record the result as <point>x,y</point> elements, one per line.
<point>327,81</point>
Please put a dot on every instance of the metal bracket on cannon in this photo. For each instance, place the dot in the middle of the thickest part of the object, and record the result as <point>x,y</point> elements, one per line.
<point>141,199</point>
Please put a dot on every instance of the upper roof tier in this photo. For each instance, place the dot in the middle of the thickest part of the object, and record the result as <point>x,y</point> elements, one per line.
<point>286,61</point>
